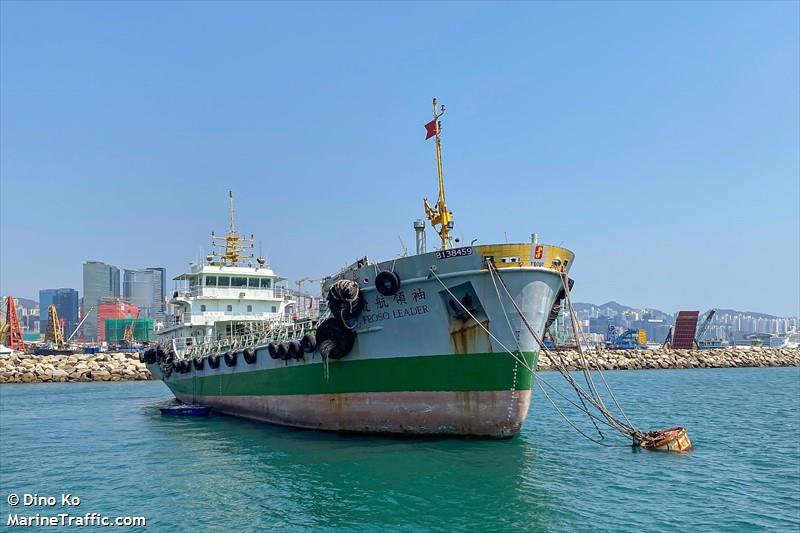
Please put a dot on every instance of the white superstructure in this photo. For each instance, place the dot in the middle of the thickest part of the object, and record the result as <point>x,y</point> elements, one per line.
<point>222,298</point>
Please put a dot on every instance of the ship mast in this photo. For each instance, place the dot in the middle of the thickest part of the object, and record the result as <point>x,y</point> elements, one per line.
<point>232,243</point>
<point>440,216</point>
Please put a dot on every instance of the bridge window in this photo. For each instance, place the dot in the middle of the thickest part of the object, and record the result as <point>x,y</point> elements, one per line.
<point>265,283</point>
<point>253,282</point>
<point>202,307</point>
<point>224,281</point>
<point>249,308</point>
<point>274,309</point>
<point>230,308</point>
<point>238,282</point>
<point>211,281</point>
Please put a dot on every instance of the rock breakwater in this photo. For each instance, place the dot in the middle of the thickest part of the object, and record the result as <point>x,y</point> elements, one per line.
<point>663,358</point>
<point>25,368</point>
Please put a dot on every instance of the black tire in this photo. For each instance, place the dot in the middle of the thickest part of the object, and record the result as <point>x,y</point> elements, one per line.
<point>150,356</point>
<point>309,343</point>
<point>249,355</point>
<point>272,348</point>
<point>199,363</point>
<point>230,358</point>
<point>339,296</point>
<point>213,360</point>
<point>387,282</point>
<point>283,351</point>
<point>295,349</point>
<point>343,311</point>
<point>342,338</point>
<point>160,354</point>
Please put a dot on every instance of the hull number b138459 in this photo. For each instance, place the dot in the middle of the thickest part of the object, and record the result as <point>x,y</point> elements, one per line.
<point>453,252</point>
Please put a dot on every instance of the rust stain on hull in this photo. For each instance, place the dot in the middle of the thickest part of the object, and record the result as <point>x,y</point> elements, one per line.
<point>494,414</point>
<point>468,337</point>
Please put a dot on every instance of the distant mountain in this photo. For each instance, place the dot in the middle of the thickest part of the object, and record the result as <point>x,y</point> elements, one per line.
<point>619,308</point>
<point>26,303</point>
<point>750,313</point>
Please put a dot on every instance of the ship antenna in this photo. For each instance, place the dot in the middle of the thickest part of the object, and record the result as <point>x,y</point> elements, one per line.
<point>230,208</point>
<point>440,216</point>
<point>232,243</point>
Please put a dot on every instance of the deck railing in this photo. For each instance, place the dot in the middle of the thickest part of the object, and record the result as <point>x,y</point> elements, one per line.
<point>257,293</point>
<point>272,331</point>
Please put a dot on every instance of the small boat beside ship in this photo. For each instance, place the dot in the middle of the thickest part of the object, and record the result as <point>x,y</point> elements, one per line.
<point>185,409</point>
<point>437,342</point>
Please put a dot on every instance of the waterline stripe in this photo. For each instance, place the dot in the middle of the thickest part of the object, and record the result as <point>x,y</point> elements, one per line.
<point>466,372</point>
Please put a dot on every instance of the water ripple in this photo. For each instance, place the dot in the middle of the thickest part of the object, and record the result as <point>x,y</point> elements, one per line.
<point>108,443</point>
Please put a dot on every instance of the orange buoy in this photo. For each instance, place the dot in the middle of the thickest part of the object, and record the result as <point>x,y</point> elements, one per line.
<point>667,440</point>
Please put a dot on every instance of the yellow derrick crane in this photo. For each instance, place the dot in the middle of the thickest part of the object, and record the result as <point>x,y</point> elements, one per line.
<point>127,335</point>
<point>441,216</point>
<point>53,333</point>
<point>232,244</point>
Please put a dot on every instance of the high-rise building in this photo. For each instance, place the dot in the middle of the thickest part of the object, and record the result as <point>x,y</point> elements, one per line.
<point>163,289</point>
<point>112,309</point>
<point>145,288</point>
<point>66,302</point>
<point>99,281</point>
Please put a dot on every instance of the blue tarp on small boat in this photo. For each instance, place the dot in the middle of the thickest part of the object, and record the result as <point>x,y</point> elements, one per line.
<point>194,409</point>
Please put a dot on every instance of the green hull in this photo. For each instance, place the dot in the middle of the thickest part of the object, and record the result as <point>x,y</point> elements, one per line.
<point>456,373</point>
<point>484,394</point>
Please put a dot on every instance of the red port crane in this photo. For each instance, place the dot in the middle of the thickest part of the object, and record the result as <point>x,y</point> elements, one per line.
<point>14,339</point>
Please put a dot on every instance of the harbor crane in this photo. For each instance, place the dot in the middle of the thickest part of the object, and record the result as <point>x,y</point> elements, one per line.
<point>78,327</point>
<point>12,333</point>
<point>300,295</point>
<point>53,334</point>
<point>703,327</point>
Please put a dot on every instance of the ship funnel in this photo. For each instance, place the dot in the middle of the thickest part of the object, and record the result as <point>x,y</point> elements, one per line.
<point>419,228</point>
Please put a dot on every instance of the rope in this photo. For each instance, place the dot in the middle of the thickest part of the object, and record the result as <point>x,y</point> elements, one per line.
<point>570,422</point>
<point>575,329</point>
<point>584,409</point>
<point>592,399</point>
<point>453,296</point>
<point>344,294</point>
<point>508,321</point>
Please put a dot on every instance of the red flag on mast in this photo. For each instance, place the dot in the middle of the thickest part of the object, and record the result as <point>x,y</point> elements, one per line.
<point>430,129</point>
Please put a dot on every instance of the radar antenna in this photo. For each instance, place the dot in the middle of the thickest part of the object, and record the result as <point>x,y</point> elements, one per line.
<point>232,244</point>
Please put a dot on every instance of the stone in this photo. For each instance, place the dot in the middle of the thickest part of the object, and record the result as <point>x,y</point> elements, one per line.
<point>100,375</point>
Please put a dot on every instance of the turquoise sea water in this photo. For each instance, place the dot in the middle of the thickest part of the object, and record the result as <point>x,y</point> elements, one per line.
<point>108,444</point>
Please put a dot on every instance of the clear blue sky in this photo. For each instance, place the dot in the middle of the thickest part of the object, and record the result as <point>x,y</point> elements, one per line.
<point>659,142</point>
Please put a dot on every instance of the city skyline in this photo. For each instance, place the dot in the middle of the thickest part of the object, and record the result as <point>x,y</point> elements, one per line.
<point>659,142</point>
<point>727,324</point>
<point>139,291</point>
<point>167,287</point>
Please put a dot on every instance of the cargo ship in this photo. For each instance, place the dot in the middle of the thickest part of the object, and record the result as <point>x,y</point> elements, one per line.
<point>440,342</point>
